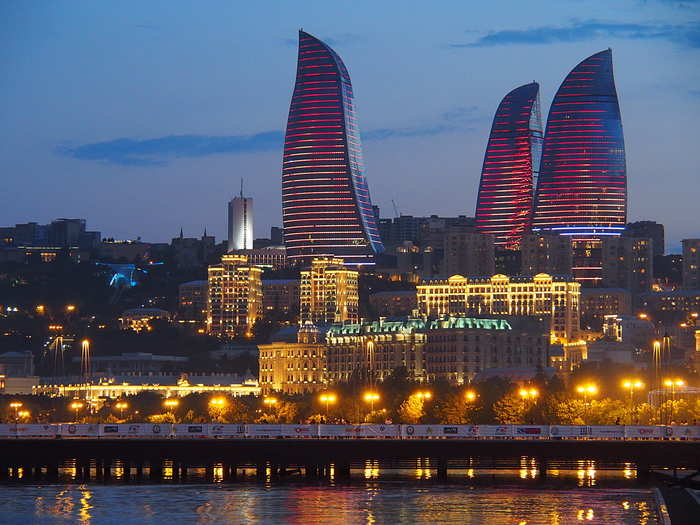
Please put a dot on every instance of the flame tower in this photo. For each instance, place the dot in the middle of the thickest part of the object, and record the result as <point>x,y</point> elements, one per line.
<point>326,207</point>
<point>504,203</point>
<point>582,186</point>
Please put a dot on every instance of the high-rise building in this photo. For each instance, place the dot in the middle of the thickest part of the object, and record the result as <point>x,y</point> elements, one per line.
<point>240,223</point>
<point>468,252</point>
<point>234,301</point>
<point>328,293</point>
<point>582,184</point>
<point>504,203</point>
<point>326,205</point>
<point>628,262</point>
<point>691,264</point>
<point>192,300</point>
<point>649,229</point>
<point>545,252</point>
<point>551,298</point>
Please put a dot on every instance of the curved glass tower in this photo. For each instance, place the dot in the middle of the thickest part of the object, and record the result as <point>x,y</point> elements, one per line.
<point>326,206</point>
<point>582,186</point>
<point>504,204</point>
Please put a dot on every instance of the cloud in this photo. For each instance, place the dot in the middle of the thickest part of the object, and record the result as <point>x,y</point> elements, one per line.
<point>155,152</point>
<point>158,151</point>
<point>579,31</point>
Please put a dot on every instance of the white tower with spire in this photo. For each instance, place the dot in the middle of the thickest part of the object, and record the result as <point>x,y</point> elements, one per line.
<point>240,223</point>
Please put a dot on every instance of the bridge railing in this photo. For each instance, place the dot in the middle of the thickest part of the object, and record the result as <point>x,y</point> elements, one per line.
<point>363,431</point>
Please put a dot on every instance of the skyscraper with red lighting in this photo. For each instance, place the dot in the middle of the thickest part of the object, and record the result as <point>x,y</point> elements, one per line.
<point>582,185</point>
<point>504,203</point>
<point>326,205</point>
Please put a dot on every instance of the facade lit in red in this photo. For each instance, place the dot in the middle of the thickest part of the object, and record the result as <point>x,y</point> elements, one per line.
<point>582,185</point>
<point>504,204</point>
<point>326,204</point>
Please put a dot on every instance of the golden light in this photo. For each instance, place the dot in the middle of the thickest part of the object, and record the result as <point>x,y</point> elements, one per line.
<point>16,404</point>
<point>217,402</point>
<point>77,405</point>
<point>171,402</point>
<point>121,405</point>
<point>70,308</point>
<point>423,394</point>
<point>694,315</point>
<point>40,308</point>
<point>270,401</point>
<point>371,397</point>
<point>23,413</point>
<point>328,398</point>
<point>632,384</point>
<point>674,382</point>
<point>470,395</point>
<point>528,393</point>
<point>643,316</point>
<point>589,389</point>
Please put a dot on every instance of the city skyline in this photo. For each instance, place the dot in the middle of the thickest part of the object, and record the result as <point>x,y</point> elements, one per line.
<point>163,141</point>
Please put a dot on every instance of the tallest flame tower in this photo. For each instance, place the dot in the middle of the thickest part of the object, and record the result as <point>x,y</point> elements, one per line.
<point>326,206</point>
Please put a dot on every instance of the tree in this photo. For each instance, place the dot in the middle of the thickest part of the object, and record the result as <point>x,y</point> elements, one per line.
<point>510,409</point>
<point>455,409</point>
<point>411,410</point>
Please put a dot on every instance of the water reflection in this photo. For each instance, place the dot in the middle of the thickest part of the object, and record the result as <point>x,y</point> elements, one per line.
<point>586,473</point>
<point>369,502</point>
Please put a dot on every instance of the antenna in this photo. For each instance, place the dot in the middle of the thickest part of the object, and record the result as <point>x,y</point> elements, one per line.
<point>396,210</point>
<point>241,187</point>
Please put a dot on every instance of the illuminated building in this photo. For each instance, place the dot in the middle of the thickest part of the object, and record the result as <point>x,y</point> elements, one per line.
<point>452,348</point>
<point>468,252</point>
<point>240,223</point>
<point>504,203</point>
<point>329,292</point>
<point>551,298</point>
<point>582,185</point>
<point>139,319</point>
<point>234,301</point>
<point>627,262</point>
<point>281,295</point>
<point>650,230</point>
<point>597,303</point>
<point>192,300</point>
<point>269,257</point>
<point>326,205</point>
<point>691,264</point>
<point>545,252</point>
<point>294,367</point>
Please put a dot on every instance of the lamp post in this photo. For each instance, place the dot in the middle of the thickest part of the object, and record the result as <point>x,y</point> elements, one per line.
<point>587,390</point>
<point>16,405</point>
<point>218,404</point>
<point>327,399</point>
<point>121,406</point>
<point>424,395</point>
<point>470,396</point>
<point>270,402</point>
<point>672,384</point>
<point>24,414</point>
<point>171,404</point>
<point>371,397</point>
<point>632,385</point>
<point>77,405</point>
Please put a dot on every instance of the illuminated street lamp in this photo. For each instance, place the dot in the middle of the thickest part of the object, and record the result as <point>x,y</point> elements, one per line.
<point>24,414</point>
<point>672,384</point>
<point>171,403</point>
<point>218,402</point>
<point>371,397</point>
<point>121,406</point>
<point>424,394</point>
<point>76,405</point>
<point>70,308</point>
<point>16,405</point>
<point>327,399</point>
<point>270,402</point>
<point>528,393</point>
<point>587,390</point>
<point>470,396</point>
<point>632,385</point>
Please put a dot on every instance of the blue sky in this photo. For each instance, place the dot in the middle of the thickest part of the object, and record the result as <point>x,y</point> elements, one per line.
<point>143,116</point>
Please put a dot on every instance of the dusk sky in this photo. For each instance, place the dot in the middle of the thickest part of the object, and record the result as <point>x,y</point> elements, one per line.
<point>142,117</point>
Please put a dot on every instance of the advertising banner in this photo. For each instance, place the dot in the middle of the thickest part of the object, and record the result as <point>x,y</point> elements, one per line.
<point>226,430</point>
<point>79,430</point>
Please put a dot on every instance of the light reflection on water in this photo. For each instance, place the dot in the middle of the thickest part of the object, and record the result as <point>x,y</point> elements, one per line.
<point>370,502</point>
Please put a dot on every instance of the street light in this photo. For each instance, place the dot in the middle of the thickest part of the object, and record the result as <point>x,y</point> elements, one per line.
<point>24,414</point>
<point>270,401</point>
<point>672,384</point>
<point>121,406</point>
<point>327,399</point>
<point>528,393</point>
<point>632,385</point>
<point>218,402</point>
<point>371,397</point>
<point>587,390</point>
<point>171,403</point>
<point>16,405</point>
<point>77,405</point>
<point>470,395</point>
<point>423,394</point>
